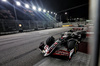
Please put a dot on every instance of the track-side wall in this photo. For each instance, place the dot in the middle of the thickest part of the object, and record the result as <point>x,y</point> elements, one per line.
<point>13,25</point>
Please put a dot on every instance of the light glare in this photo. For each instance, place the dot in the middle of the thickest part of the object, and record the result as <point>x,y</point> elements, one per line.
<point>18,3</point>
<point>34,8</point>
<point>26,5</point>
<point>4,0</point>
<point>44,10</point>
<point>48,11</point>
<point>65,12</point>
<point>39,9</point>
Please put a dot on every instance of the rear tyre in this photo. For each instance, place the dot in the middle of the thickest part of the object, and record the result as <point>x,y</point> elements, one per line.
<point>71,44</point>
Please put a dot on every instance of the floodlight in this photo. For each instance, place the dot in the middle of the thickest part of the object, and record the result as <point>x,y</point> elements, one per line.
<point>26,5</point>
<point>18,3</point>
<point>4,0</point>
<point>44,10</point>
<point>34,8</point>
<point>39,9</point>
<point>48,11</point>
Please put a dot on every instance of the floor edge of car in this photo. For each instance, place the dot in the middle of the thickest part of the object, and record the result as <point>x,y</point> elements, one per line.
<point>78,59</point>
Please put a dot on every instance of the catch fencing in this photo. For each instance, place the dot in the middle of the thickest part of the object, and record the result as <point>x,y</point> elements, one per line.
<point>13,25</point>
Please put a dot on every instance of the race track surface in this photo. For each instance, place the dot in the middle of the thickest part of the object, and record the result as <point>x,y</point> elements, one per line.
<point>78,59</point>
<point>22,49</point>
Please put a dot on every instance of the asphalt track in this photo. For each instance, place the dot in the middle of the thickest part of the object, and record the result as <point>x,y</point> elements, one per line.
<point>22,49</point>
<point>78,59</point>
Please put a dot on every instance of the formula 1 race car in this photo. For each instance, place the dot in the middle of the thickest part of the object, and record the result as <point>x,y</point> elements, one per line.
<point>65,46</point>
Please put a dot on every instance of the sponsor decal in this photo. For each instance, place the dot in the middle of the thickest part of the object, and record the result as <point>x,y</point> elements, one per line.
<point>55,43</point>
<point>71,52</point>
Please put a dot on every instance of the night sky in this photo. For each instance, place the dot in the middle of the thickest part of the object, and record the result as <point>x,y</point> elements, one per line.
<point>59,5</point>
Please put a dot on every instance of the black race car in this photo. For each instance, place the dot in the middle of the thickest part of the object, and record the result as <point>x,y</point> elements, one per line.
<point>65,46</point>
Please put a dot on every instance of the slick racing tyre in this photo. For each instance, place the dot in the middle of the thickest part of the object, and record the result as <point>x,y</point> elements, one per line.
<point>71,44</point>
<point>50,41</point>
